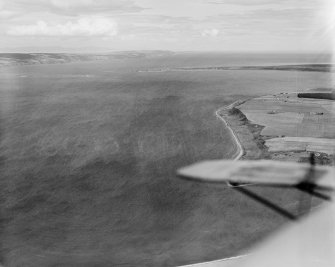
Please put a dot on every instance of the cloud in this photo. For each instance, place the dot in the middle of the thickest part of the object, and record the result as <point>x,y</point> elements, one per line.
<point>5,14</point>
<point>210,33</point>
<point>242,2</point>
<point>74,7</point>
<point>80,27</point>
<point>282,3</point>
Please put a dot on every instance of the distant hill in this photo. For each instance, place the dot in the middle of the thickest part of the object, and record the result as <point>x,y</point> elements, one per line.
<point>12,59</point>
<point>300,67</point>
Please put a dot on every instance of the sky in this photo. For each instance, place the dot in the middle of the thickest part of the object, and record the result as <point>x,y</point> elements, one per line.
<point>178,25</point>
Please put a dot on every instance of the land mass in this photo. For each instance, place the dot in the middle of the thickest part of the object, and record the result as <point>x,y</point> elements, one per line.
<point>296,67</point>
<point>18,59</point>
<point>14,59</point>
<point>286,126</point>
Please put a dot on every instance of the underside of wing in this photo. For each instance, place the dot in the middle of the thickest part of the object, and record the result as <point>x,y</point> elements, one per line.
<point>264,172</point>
<point>306,243</point>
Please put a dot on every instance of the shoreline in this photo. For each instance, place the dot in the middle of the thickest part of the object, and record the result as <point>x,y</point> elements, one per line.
<point>302,67</point>
<point>233,134</point>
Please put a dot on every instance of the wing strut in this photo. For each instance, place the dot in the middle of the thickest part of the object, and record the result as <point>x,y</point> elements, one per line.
<point>265,202</point>
<point>308,186</point>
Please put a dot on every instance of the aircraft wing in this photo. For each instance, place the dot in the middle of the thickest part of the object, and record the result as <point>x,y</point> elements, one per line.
<point>266,172</point>
<point>309,242</point>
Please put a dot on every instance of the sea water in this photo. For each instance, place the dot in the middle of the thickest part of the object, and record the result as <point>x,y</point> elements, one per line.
<point>89,153</point>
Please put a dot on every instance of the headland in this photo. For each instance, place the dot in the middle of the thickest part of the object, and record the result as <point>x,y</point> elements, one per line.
<point>285,126</point>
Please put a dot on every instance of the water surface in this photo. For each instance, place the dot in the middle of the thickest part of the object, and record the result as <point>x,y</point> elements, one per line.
<point>89,153</point>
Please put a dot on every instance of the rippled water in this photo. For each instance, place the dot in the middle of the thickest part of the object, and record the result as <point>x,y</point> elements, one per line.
<point>89,153</point>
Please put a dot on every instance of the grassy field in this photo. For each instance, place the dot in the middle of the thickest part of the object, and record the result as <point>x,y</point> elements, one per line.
<point>290,125</point>
<point>289,115</point>
<point>88,160</point>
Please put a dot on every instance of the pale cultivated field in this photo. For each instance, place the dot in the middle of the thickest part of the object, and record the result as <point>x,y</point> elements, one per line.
<point>322,145</point>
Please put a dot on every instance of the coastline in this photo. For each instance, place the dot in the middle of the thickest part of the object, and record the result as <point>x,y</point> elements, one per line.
<point>220,116</point>
<point>284,127</point>
<point>303,67</point>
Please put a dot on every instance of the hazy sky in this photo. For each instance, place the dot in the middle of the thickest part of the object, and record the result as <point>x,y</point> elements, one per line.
<point>211,25</point>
